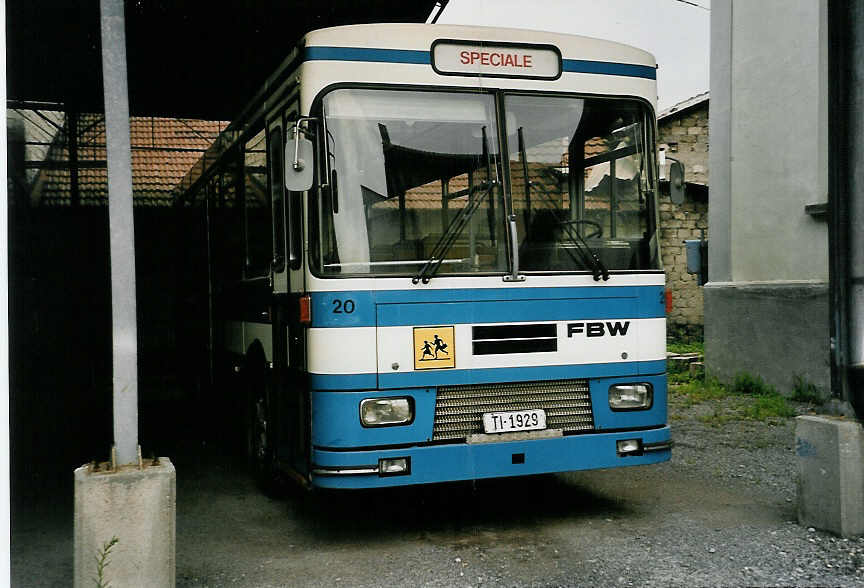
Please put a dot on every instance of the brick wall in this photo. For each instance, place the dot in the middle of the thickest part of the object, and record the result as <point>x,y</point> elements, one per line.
<point>684,135</point>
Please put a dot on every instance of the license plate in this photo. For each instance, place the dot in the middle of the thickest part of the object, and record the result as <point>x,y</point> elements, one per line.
<point>517,420</point>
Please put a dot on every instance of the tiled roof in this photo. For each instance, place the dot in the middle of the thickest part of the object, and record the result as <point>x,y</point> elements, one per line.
<point>163,150</point>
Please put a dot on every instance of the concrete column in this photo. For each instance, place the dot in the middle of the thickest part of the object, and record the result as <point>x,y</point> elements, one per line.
<point>720,132</point>
<point>135,507</point>
<point>830,454</point>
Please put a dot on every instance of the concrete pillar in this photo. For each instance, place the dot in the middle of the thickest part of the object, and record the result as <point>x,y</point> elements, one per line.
<point>830,454</point>
<point>135,506</point>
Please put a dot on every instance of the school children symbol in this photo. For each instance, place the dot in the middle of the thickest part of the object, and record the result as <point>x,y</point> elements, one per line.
<point>434,348</point>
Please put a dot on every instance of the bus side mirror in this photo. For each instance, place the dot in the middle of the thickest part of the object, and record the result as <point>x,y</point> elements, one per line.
<point>299,166</point>
<point>676,181</point>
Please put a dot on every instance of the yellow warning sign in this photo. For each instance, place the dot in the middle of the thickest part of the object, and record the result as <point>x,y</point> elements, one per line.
<point>434,348</point>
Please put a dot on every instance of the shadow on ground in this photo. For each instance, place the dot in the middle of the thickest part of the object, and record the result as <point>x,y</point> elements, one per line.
<point>500,505</point>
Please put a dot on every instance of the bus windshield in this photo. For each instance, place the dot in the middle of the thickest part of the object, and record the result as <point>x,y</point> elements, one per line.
<point>581,182</point>
<point>411,171</point>
<point>417,181</point>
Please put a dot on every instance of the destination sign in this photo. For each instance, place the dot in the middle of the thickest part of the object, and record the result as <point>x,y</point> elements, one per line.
<point>501,60</point>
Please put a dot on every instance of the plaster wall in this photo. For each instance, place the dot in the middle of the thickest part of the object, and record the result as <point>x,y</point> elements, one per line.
<point>776,330</point>
<point>778,133</point>
<point>768,259</point>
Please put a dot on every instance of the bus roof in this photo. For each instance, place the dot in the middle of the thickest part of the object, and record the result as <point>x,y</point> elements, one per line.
<point>414,36</point>
<point>417,55</point>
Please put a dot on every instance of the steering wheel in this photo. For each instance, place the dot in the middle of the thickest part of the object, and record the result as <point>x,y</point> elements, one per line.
<point>598,228</point>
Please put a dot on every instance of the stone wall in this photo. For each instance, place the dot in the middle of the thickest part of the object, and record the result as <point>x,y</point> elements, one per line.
<point>679,222</point>
<point>684,136</point>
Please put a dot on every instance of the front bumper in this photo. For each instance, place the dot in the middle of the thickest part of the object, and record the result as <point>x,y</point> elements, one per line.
<point>471,461</point>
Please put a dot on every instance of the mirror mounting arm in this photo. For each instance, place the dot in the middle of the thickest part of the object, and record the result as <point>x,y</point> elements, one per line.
<point>299,164</point>
<point>299,169</point>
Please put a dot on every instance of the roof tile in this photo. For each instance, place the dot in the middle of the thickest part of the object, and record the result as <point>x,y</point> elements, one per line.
<point>163,150</point>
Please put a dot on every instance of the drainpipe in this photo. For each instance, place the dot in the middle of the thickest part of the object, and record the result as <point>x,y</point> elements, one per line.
<point>846,200</point>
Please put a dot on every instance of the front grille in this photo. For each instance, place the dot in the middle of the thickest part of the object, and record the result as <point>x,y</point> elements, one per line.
<point>459,409</point>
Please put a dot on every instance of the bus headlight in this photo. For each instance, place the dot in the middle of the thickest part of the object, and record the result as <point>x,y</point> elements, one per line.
<point>394,466</point>
<point>381,412</point>
<point>630,396</point>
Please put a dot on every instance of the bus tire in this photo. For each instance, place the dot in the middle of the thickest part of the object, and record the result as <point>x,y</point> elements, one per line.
<point>259,435</point>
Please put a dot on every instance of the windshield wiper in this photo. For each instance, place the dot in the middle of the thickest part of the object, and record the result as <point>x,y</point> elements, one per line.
<point>454,229</point>
<point>588,256</point>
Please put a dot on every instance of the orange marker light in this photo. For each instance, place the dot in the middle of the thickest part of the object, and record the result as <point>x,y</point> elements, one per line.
<point>306,310</point>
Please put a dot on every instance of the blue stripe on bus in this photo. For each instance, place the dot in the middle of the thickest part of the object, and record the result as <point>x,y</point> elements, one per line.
<point>364,308</point>
<point>367,54</point>
<point>343,381</point>
<point>464,461</point>
<point>452,377</point>
<point>343,309</point>
<point>394,315</point>
<point>610,68</point>
<point>336,415</point>
<point>377,55</point>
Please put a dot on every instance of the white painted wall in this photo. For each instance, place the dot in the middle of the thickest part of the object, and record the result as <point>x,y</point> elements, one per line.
<point>768,259</point>
<point>778,140</point>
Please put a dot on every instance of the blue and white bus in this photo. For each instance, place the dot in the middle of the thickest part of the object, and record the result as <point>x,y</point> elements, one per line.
<point>434,256</point>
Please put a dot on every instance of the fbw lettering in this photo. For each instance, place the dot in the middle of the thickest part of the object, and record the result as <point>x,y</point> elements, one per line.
<point>598,329</point>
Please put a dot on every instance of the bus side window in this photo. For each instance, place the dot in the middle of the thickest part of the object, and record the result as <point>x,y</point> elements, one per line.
<point>259,243</point>
<point>277,195</point>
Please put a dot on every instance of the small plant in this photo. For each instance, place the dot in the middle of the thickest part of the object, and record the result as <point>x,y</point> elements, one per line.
<point>749,384</point>
<point>768,406</point>
<point>679,377</point>
<point>702,391</point>
<point>718,417</point>
<point>748,397</point>
<point>767,402</point>
<point>804,390</point>
<point>677,367</point>
<point>685,347</point>
<point>102,562</point>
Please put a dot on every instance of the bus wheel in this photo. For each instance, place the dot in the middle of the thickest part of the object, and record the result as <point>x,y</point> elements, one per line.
<point>260,455</point>
<point>259,423</point>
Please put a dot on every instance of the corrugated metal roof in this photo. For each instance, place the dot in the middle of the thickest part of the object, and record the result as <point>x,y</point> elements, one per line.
<point>684,105</point>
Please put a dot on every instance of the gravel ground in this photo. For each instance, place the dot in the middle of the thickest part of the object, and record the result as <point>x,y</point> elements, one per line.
<point>721,512</point>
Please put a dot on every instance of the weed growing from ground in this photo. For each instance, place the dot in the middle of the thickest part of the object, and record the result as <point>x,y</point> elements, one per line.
<point>718,417</point>
<point>765,407</point>
<point>748,397</point>
<point>679,376</point>
<point>682,347</point>
<point>804,390</point>
<point>704,390</point>
<point>749,384</point>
